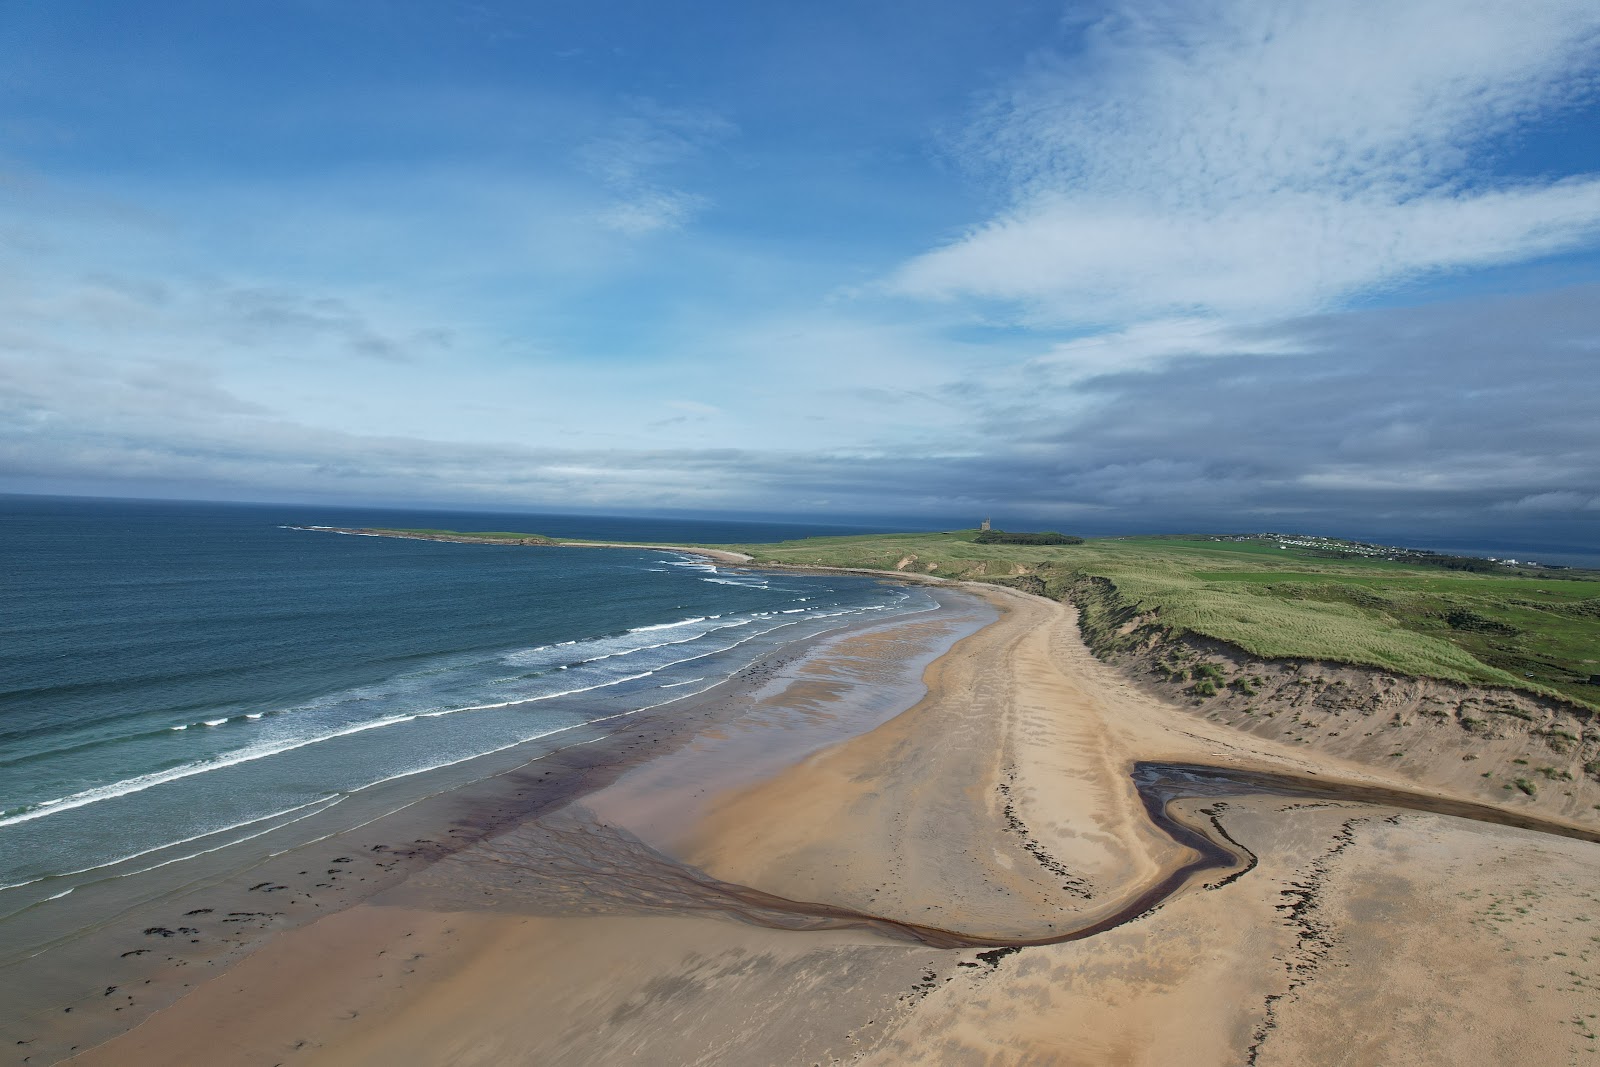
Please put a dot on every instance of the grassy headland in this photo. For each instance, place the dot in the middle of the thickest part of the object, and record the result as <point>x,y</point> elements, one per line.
<point>1281,598</point>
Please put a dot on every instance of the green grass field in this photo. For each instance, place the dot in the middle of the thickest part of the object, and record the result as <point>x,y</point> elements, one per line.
<point>1539,632</point>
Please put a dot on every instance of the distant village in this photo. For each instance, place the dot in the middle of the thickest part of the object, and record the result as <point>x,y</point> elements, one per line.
<point>1346,549</point>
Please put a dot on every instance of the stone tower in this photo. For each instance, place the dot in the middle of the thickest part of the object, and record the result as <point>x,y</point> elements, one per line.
<point>984,525</point>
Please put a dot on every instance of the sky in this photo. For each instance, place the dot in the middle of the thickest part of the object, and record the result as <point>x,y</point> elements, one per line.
<point>1214,265</point>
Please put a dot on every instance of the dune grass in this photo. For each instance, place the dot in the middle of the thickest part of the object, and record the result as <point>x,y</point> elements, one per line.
<point>1538,631</point>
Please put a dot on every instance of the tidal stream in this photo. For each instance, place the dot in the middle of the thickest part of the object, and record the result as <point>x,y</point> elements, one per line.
<point>570,863</point>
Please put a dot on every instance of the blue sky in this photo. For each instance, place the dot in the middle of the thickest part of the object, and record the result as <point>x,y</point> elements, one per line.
<point>1223,264</point>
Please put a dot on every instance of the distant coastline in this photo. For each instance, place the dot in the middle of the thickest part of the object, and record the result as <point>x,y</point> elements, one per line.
<point>507,538</point>
<point>1283,617</point>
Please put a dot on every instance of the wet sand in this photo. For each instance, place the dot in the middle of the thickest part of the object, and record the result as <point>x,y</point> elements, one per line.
<point>73,980</point>
<point>983,878</point>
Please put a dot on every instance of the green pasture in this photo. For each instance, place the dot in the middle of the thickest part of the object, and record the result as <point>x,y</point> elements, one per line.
<point>1540,633</point>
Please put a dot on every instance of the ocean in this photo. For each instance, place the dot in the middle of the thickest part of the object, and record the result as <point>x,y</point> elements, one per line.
<point>179,680</point>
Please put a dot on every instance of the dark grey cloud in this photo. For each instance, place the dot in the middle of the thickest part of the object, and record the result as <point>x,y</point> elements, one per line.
<point>1459,413</point>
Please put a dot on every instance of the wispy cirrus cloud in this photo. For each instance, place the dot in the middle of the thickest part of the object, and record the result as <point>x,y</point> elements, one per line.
<point>633,158</point>
<point>1245,158</point>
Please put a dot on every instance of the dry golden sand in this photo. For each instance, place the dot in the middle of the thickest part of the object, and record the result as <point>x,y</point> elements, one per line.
<point>1001,804</point>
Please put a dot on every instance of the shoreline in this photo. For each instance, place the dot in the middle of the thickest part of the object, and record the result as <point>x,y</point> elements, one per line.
<point>1433,761</point>
<point>726,557</point>
<point>1005,798</point>
<point>530,540</point>
<point>235,916</point>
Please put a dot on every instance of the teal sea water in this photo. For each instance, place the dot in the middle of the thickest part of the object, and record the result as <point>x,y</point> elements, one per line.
<point>176,679</point>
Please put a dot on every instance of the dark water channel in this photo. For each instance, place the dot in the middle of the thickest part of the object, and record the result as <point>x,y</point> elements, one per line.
<point>569,863</point>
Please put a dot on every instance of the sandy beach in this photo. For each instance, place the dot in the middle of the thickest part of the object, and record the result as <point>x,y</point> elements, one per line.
<point>840,871</point>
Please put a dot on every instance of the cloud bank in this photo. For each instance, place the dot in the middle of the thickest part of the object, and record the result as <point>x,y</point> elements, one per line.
<point>1391,419</point>
<point>1246,158</point>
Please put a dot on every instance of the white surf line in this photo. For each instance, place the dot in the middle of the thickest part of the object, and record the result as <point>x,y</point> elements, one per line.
<point>332,803</point>
<point>605,685</point>
<point>672,663</point>
<point>533,699</point>
<point>411,803</point>
<point>540,736</point>
<point>795,622</point>
<point>365,822</point>
<point>564,729</point>
<point>512,658</point>
<point>530,740</point>
<point>345,532</point>
<point>441,766</point>
<point>149,781</point>
<point>660,644</point>
<point>159,848</point>
<point>666,644</point>
<point>142,782</point>
<point>325,802</point>
<point>670,625</point>
<point>248,755</point>
<point>68,745</point>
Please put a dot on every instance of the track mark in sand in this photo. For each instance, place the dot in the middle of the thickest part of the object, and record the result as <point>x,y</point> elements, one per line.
<point>1314,940</point>
<point>1073,884</point>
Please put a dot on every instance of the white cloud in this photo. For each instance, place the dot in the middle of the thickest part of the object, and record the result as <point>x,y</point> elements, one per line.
<point>1564,500</point>
<point>631,157</point>
<point>1151,345</point>
<point>649,211</point>
<point>1250,158</point>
